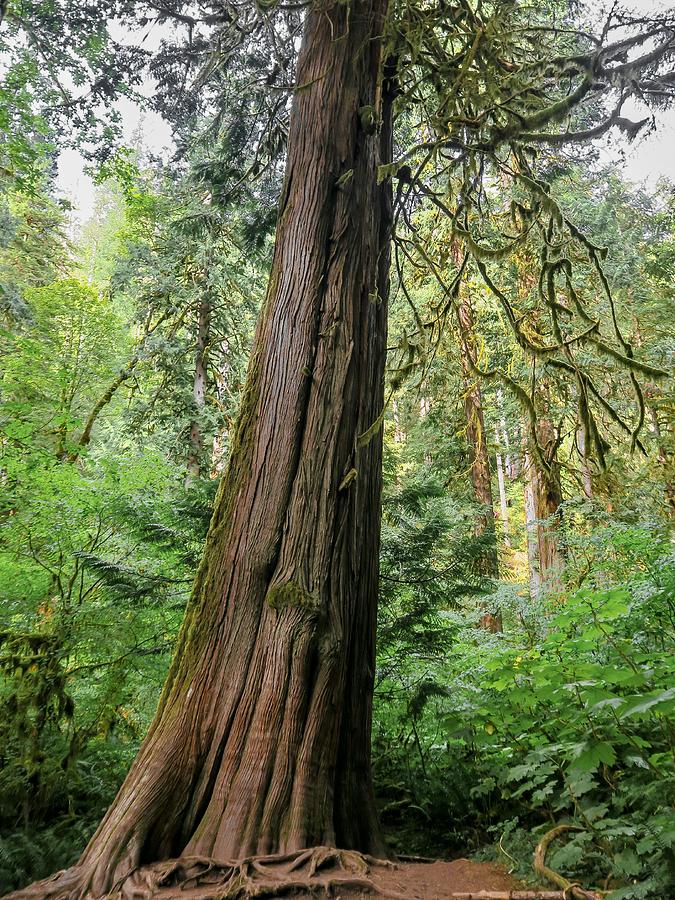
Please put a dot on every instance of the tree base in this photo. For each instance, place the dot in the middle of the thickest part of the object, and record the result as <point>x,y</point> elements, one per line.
<point>318,871</point>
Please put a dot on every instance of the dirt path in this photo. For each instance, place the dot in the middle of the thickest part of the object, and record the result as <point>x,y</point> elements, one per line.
<point>437,880</point>
<point>440,880</point>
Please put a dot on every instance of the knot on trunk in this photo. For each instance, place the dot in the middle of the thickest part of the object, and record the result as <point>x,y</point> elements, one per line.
<point>290,593</point>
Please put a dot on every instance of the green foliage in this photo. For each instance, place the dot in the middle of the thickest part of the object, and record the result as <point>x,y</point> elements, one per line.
<point>62,70</point>
<point>31,853</point>
<point>26,857</point>
<point>564,716</point>
<point>60,362</point>
<point>33,248</point>
<point>430,561</point>
<point>570,721</point>
<point>430,565</point>
<point>98,545</point>
<point>165,252</point>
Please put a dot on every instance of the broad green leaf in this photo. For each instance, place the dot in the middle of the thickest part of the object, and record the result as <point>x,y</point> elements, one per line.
<point>592,755</point>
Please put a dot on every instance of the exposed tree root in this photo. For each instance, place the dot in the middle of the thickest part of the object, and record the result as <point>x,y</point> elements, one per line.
<point>569,889</point>
<point>320,871</point>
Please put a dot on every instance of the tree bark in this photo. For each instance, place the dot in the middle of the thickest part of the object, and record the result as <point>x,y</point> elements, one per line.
<point>261,742</point>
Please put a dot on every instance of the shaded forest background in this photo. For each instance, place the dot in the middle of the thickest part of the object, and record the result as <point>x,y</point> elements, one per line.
<point>527,612</point>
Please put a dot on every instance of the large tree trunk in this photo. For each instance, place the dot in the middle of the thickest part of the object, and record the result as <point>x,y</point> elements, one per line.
<point>261,742</point>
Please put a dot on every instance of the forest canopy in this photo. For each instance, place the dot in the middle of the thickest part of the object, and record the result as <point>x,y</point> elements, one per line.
<point>336,451</point>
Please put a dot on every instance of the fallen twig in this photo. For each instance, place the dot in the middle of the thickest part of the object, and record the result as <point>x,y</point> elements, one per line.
<point>507,854</point>
<point>412,858</point>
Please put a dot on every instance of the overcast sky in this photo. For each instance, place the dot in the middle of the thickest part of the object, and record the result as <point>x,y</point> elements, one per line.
<point>645,161</point>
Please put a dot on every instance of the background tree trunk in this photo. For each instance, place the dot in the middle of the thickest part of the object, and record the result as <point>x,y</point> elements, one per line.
<point>475,433</point>
<point>480,461</point>
<point>665,454</point>
<point>399,434</point>
<point>199,388</point>
<point>531,526</point>
<point>261,741</point>
<point>503,502</point>
<point>586,474</point>
<point>543,499</point>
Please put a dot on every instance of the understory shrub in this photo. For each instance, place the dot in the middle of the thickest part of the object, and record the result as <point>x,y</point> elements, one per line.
<point>568,716</point>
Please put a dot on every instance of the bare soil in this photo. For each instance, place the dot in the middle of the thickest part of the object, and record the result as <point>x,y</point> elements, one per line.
<point>440,880</point>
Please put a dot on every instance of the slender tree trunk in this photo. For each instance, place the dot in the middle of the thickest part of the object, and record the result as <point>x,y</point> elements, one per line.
<point>199,388</point>
<point>99,406</point>
<point>425,406</point>
<point>543,499</point>
<point>665,455</point>
<point>586,474</point>
<point>510,458</point>
<point>221,437</point>
<point>490,619</point>
<point>549,501</point>
<point>399,434</point>
<point>261,742</point>
<point>475,432</point>
<point>532,527</point>
<point>503,503</point>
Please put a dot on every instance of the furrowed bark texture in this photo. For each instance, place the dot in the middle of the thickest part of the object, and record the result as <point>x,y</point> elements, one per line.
<point>261,742</point>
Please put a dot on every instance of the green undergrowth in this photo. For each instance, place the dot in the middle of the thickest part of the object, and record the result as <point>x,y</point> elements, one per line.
<point>55,829</point>
<point>568,716</point>
<point>482,742</point>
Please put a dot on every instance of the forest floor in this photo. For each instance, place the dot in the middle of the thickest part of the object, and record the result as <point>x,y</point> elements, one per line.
<point>439,880</point>
<point>341,880</point>
<point>307,875</point>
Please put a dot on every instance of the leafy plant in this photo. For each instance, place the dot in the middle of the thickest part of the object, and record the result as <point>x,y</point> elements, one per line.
<point>574,727</point>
